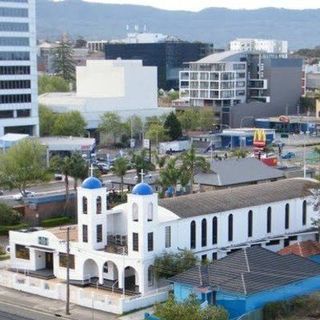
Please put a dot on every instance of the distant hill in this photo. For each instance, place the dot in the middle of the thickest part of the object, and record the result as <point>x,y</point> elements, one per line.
<point>218,25</point>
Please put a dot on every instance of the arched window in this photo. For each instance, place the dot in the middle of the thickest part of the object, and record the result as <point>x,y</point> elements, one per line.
<point>304,213</point>
<point>135,213</point>
<point>230,227</point>
<point>150,276</point>
<point>250,223</point>
<point>193,235</point>
<point>287,216</point>
<point>98,205</point>
<point>84,205</point>
<point>215,230</point>
<point>203,232</point>
<point>269,219</point>
<point>150,211</point>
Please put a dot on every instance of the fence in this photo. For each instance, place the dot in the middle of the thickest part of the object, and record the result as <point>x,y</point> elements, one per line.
<point>87,297</point>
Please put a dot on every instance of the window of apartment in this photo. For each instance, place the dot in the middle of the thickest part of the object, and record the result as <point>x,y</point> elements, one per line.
<point>304,213</point>
<point>15,84</point>
<point>22,252</point>
<point>99,233</point>
<point>193,235</point>
<point>14,55</point>
<point>14,41</point>
<point>63,260</point>
<point>84,233</point>
<point>6,114</point>
<point>98,205</point>
<point>150,241</point>
<point>273,243</point>
<point>135,241</point>
<point>84,205</point>
<point>13,12</point>
<point>230,227</point>
<point>203,232</point>
<point>150,276</point>
<point>204,258</point>
<point>168,236</point>
<point>214,230</point>
<point>23,113</point>
<point>269,219</point>
<point>14,26</point>
<point>214,256</point>
<point>287,216</point>
<point>15,98</point>
<point>250,218</point>
<point>12,70</point>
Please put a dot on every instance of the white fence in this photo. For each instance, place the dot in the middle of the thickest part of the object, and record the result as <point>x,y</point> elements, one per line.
<point>90,298</point>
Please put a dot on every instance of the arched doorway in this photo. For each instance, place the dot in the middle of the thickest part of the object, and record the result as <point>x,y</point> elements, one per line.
<point>110,274</point>
<point>90,270</point>
<point>131,280</point>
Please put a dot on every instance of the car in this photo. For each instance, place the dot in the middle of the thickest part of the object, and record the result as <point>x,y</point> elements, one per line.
<point>58,176</point>
<point>27,194</point>
<point>288,155</point>
<point>1,192</point>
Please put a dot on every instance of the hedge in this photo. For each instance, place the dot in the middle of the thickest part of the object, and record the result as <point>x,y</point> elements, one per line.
<point>4,230</point>
<point>54,222</point>
<point>4,257</point>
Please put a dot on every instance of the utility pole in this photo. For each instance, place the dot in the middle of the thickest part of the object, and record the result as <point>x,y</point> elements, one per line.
<point>68,273</point>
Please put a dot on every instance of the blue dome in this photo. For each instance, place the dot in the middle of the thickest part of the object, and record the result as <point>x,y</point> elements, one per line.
<point>91,183</point>
<point>142,189</point>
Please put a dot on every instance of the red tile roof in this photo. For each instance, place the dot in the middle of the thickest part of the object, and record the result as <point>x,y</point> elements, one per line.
<point>303,249</point>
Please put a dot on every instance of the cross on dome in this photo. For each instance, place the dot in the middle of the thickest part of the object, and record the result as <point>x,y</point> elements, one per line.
<point>142,174</point>
<point>91,170</point>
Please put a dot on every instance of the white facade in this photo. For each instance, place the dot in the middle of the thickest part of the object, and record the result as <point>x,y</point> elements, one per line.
<point>123,86</point>
<point>117,247</point>
<point>262,45</point>
<point>18,68</point>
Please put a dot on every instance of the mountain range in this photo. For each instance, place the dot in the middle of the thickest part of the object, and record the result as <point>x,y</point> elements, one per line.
<point>216,25</point>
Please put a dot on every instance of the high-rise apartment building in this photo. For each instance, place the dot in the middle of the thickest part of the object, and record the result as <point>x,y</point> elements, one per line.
<point>18,68</point>
<point>240,85</point>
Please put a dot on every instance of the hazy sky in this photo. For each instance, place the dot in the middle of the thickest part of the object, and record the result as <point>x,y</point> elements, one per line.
<point>196,5</point>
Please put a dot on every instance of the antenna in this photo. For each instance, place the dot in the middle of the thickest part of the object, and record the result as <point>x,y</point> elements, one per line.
<point>145,28</point>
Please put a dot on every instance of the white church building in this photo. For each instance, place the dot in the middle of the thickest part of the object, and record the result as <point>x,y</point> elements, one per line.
<point>116,248</point>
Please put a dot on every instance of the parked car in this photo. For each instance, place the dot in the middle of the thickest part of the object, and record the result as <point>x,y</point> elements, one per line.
<point>58,176</point>
<point>1,192</point>
<point>27,194</point>
<point>288,155</point>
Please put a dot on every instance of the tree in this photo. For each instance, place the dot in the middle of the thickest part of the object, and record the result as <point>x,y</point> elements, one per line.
<point>190,309</point>
<point>240,153</point>
<point>173,126</point>
<point>111,124</point>
<point>191,162</point>
<point>189,119</point>
<point>120,167</point>
<point>169,264</point>
<point>170,175</point>
<point>78,168</point>
<point>135,126</point>
<point>140,162</point>
<point>47,119</point>
<point>64,64</point>
<point>23,164</point>
<point>206,119</point>
<point>156,133</point>
<point>52,84</point>
<point>69,124</point>
<point>8,216</point>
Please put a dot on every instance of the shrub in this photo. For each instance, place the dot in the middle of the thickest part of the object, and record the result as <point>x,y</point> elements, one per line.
<point>2,251</point>
<point>56,221</point>
<point>8,216</point>
<point>276,310</point>
<point>4,230</point>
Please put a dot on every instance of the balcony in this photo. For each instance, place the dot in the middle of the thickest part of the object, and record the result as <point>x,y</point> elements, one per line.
<point>117,244</point>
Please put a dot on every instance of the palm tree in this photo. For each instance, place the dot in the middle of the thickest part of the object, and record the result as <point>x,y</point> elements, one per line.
<point>160,160</point>
<point>120,168</point>
<point>170,175</point>
<point>191,162</point>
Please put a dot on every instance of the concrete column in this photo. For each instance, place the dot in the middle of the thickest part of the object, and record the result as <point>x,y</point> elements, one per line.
<point>120,277</point>
<point>142,279</point>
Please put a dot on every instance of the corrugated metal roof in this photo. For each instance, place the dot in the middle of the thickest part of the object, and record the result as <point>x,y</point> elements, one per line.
<point>240,197</point>
<point>237,171</point>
